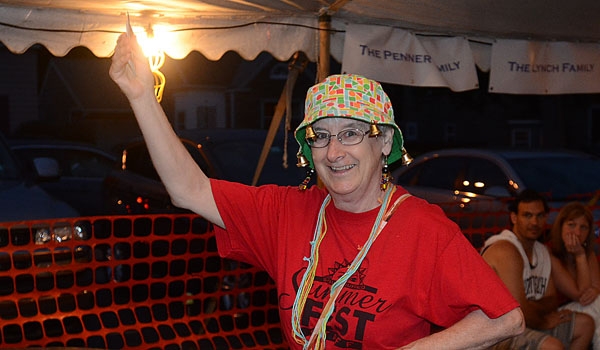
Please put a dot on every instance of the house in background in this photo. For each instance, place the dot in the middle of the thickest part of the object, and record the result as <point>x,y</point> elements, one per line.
<point>231,93</point>
<point>72,97</point>
<point>19,88</point>
<point>433,118</point>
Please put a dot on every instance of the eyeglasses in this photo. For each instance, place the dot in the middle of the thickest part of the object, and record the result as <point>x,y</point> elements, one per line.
<point>347,137</point>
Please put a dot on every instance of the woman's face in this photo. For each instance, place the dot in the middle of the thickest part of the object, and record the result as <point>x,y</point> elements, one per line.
<point>350,169</point>
<point>577,227</point>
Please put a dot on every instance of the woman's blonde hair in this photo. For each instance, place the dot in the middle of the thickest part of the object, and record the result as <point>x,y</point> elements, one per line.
<point>570,211</point>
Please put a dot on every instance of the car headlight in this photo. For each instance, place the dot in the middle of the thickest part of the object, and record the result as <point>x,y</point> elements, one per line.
<point>61,232</point>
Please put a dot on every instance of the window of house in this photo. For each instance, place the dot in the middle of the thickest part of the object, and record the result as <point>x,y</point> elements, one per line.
<point>521,137</point>
<point>4,114</point>
<point>594,127</point>
<point>450,132</point>
<point>411,131</point>
<point>206,117</point>
<point>180,122</point>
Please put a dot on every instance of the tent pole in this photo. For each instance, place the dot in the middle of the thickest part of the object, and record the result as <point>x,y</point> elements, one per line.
<point>285,103</point>
<point>324,43</point>
<point>323,60</point>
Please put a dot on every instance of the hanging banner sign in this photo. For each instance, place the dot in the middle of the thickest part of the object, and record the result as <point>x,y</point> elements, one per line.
<point>529,67</point>
<point>396,56</point>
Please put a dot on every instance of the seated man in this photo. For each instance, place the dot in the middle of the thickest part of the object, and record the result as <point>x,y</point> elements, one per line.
<point>524,265</point>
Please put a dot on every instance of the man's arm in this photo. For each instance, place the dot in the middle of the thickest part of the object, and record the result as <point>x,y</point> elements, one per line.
<point>506,260</point>
<point>187,185</point>
<point>475,331</point>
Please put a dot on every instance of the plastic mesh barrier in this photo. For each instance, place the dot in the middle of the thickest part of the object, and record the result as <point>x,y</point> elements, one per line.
<point>479,226</point>
<point>146,282</point>
<point>141,282</point>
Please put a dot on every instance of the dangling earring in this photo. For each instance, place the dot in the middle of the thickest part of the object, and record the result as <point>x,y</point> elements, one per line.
<point>310,134</point>
<point>406,158</point>
<point>374,130</point>
<point>385,174</point>
<point>302,161</point>
<point>304,185</point>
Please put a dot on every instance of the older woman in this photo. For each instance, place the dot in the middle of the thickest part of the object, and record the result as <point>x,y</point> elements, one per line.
<point>574,262</point>
<point>358,263</point>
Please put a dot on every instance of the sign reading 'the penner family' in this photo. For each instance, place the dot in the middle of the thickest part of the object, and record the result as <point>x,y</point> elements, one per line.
<point>398,56</point>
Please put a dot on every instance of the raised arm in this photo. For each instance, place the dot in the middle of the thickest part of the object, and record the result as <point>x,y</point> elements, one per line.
<point>582,286</point>
<point>475,331</point>
<point>187,185</point>
<point>572,287</point>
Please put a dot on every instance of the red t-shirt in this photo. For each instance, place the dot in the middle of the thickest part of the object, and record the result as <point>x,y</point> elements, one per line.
<point>421,268</point>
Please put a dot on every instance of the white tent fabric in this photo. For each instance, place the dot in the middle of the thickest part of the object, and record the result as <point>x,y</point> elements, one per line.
<point>533,67</point>
<point>282,27</point>
<point>395,55</point>
<point>60,30</point>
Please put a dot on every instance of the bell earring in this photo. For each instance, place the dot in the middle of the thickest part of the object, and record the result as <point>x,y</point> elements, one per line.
<point>310,134</point>
<point>386,177</point>
<point>406,158</point>
<point>302,161</point>
<point>374,130</point>
<point>304,185</point>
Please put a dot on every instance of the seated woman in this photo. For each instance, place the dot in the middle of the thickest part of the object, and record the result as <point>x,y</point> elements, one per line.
<point>574,263</point>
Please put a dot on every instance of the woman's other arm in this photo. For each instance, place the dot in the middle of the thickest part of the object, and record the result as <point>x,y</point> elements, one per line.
<point>475,331</point>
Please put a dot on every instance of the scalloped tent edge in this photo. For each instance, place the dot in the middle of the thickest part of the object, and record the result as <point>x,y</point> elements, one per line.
<point>282,28</point>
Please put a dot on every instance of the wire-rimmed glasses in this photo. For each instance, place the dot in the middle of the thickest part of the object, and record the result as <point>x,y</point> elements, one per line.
<point>347,137</point>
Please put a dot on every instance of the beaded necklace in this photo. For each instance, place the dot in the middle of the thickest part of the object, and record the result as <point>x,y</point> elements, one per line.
<point>317,340</point>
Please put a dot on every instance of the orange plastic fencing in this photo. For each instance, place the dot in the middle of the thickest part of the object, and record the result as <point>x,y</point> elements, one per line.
<point>146,282</point>
<point>134,282</point>
<point>480,225</point>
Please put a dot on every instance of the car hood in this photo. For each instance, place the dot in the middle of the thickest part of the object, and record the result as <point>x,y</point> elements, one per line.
<point>21,202</point>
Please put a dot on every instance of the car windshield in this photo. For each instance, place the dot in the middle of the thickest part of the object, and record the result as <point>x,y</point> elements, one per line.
<point>138,160</point>
<point>559,177</point>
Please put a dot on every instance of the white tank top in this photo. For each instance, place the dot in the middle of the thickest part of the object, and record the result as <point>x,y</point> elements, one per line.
<point>536,274</point>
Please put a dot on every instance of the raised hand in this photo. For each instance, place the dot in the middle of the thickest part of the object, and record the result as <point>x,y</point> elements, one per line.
<point>130,68</point>
<point>573,245</point>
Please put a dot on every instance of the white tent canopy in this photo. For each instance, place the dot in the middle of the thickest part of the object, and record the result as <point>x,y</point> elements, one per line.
<point>282,27</point>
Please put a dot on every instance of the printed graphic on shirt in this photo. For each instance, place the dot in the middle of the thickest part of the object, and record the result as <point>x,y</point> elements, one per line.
<point>535,287</point>
<point>356,307</point>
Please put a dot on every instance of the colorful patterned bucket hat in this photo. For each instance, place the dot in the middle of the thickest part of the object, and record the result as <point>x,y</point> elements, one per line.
<point>350,96</point>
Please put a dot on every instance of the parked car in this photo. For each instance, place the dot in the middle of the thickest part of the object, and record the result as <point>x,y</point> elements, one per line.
<point>477,180</point>
<point>221,153</point>
<point>81,171</point>
<point>136,188</point>
<point>20,197</point>
<point>236,153</point>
